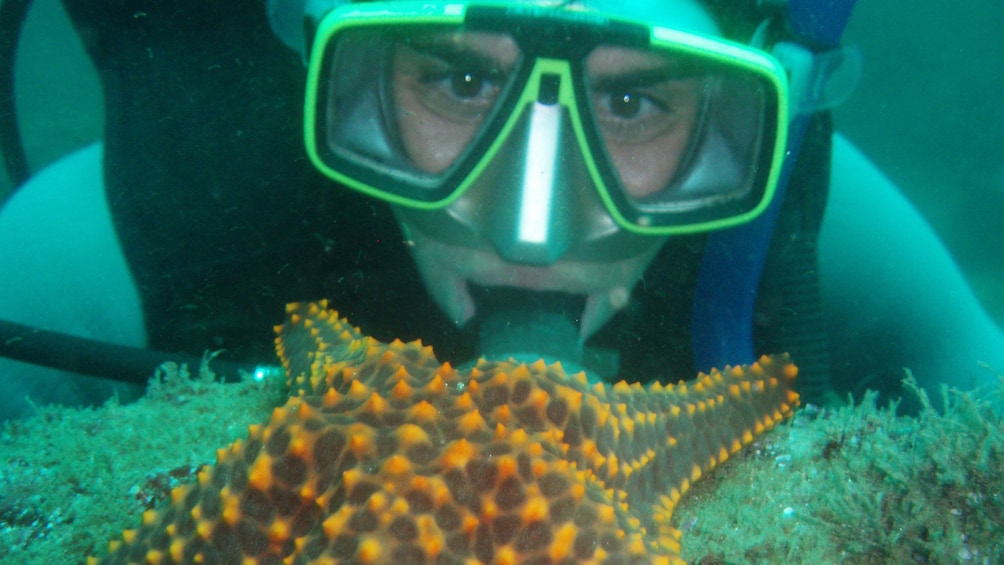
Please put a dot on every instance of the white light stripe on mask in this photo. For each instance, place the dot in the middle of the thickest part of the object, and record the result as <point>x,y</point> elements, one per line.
<point>537,195</point>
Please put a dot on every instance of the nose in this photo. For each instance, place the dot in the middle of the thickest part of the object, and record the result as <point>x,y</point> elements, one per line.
<point>536,200</point>
<point>530,218</point>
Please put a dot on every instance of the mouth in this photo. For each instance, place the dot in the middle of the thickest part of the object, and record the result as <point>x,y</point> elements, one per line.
<point>470,281</point>
<point>586,309</point>
<point>513,321</point>
<point>493,300</point>
<point>465,282</point>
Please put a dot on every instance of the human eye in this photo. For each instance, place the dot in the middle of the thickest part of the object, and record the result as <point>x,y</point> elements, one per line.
<point>634,110</point>
<point>456,84</point>
<point>628,104</point>
<point>466,90</point>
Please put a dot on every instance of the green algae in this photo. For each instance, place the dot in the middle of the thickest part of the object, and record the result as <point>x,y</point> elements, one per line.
<point>859,484</point>
<point>72,479</point>
<point>852,484</point>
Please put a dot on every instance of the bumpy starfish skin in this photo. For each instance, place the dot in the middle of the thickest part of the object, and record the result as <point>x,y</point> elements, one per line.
<point>384,455</point>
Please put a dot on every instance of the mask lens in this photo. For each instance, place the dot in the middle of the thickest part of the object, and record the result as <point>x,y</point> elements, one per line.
<point>683,135</point>
<point>446,87</point>
<point>410,102</point>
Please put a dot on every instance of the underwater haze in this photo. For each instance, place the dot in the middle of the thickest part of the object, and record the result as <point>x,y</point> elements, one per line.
<point>851,483</point>
<point>927,111</point>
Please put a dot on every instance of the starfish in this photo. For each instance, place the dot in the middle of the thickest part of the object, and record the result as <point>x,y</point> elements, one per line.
<point>383,454</point>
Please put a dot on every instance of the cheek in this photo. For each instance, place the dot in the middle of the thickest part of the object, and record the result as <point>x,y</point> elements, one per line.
<point>647,168</point>
<point>421,140</point>
<point>432,144</point>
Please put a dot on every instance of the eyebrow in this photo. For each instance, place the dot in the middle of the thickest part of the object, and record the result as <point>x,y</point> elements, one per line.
<point>638,78</point>
<point>458,55</point>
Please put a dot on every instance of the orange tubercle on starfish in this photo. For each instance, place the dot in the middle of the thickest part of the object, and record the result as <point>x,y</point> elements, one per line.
<point>385,455</point>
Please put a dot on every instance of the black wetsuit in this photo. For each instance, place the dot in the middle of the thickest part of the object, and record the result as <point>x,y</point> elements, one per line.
<point>223,220</point>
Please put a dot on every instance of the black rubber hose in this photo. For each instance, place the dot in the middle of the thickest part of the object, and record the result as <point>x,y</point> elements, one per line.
<point>12,16</point>
<point>101,359</point>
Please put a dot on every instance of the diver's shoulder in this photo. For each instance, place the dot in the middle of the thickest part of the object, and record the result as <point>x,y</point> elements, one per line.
<point>62,262</point>
<point>852,170</point>
<point>71,186</point>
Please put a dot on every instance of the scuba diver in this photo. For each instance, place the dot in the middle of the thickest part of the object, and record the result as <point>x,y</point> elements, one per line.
<point>637,188</point>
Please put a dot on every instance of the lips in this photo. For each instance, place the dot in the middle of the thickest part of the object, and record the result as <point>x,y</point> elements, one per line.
<point>449,270</point>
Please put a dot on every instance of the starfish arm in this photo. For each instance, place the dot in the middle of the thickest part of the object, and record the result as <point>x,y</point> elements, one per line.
<point>384,455</point>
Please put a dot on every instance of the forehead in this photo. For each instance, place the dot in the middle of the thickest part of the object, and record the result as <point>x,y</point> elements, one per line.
<point>686,15</point>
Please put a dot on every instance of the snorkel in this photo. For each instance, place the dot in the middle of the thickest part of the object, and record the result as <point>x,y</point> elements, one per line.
<point>734,258</point>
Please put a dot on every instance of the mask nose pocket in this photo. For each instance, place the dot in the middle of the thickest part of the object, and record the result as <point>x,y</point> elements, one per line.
<point>541,190</point>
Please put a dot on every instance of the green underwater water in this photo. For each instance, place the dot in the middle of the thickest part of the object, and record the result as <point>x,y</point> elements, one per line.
<point>854,485</point>
<point>927,111</point>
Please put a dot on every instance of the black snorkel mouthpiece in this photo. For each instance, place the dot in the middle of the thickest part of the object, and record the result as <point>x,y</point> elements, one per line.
<point>528,325</point>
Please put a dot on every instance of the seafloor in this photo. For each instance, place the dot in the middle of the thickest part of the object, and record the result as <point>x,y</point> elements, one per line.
<point>846,485</point>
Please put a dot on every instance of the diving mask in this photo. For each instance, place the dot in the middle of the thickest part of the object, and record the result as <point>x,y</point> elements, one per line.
<point>674,132</point>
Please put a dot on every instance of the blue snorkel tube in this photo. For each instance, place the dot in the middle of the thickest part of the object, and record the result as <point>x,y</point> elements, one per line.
<point>734,259</point>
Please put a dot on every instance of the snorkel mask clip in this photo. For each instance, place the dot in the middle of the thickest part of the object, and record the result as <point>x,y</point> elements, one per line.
<point>822,74</point>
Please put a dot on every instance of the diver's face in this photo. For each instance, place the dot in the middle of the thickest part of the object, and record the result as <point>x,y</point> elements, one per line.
<point>441,107</point>
<point>645,125</point>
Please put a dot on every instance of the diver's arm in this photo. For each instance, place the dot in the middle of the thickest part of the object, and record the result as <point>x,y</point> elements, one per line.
<point>62,269</point>
<point>892,295</point>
